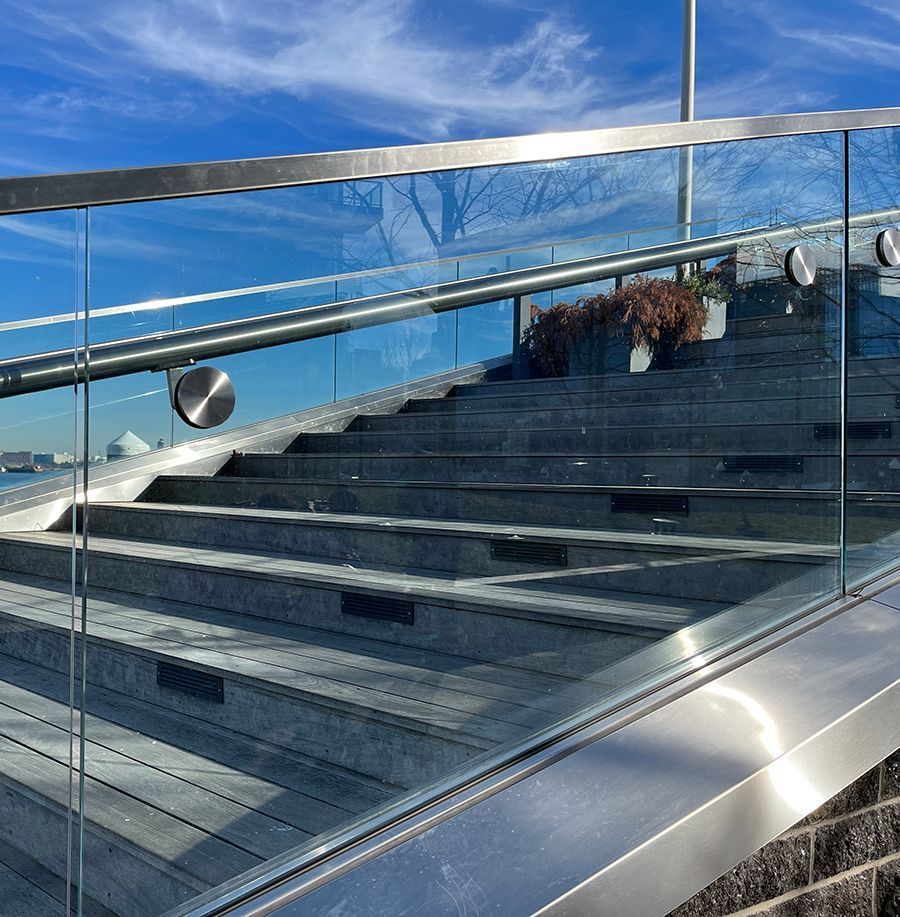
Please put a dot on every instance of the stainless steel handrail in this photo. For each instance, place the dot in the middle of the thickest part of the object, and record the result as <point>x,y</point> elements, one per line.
<point>84,189</point>
<point>55,369</point>
<point>169,349</point>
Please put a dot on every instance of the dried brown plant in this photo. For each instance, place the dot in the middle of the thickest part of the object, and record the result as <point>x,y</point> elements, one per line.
<point>657,314</point>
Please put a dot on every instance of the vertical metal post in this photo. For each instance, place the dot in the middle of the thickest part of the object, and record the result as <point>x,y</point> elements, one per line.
<point>334,355</point>
<point>688,58</point>
<point>86,459</point>
<point>456,324</point>
<point>686,154</point>
<point>844,350</point>
<point>521,321</point>
<point>73,570</point>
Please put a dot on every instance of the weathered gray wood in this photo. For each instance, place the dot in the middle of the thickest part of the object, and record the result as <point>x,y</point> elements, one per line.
<point>47,882</point>
<point>165,844</point>
<point>41,725</point>
<point>587,607</point>
<point>18,896</point>
<point>308,794</point>
<point>301,649</point>
<point>370,703</point>
<point>685,567</point>
<point>395,656</point>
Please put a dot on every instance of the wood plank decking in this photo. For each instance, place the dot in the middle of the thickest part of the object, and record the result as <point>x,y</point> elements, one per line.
<point>173,796</point>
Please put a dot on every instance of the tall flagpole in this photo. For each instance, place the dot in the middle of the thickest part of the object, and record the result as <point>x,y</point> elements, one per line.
<point>686,155</point>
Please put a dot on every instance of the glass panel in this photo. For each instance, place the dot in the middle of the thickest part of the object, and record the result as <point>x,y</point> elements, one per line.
<point>374,358</point>
<point>697,409</point>
<point>873,349</point>
<point>40,443</point>
<point>351,593</point>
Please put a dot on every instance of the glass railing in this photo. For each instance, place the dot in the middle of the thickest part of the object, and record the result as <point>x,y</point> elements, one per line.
<point>41,443</point>
<point>873,357</point>
<point>416,548</point>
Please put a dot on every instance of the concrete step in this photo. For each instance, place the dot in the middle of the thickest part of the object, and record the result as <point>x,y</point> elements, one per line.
<point>769,344</point>
<point>697,377</point>
<point>386,718</point>
<point>171,804</point>
<point>761,318</point>
<point>780,515</point>
<point>726,355</point>
<point>29,888</point>
<point>470,415</point>
<point>789,371</point>
<point>716,467</point>
<point>762,401</point>
<point>559,433</point>
<point>546,628</point>
<point>684,567</point>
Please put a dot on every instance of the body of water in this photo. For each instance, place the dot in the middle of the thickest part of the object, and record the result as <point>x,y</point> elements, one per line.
<point>19,478</point>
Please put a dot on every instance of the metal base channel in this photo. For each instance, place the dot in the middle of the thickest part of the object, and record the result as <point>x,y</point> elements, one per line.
<point>633,815</point>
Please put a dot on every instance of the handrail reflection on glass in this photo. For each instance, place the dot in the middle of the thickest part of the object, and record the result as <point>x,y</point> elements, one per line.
<point>369,274</point>
<point>170,349</point>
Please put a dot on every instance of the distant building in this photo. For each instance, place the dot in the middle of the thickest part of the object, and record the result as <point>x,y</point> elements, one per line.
<point>125,446</point>
<point>53,458</point>
<point>17,458</point>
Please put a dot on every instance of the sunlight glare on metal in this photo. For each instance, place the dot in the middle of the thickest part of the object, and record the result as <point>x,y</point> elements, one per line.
<point>789,782</point>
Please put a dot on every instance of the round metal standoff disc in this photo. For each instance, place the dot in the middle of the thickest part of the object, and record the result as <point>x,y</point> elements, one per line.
<point>204,397</point>
<point>800,265</point>
<point>887,247</point>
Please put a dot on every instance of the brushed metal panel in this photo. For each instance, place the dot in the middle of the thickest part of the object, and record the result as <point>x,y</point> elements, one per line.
<point>636,821</point>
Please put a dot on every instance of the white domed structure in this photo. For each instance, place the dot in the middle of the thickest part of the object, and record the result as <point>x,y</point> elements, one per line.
<point>125,446</point>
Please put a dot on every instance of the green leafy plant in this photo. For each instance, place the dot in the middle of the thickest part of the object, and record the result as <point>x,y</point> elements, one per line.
<point>706,285</point>
<point>653,313</point>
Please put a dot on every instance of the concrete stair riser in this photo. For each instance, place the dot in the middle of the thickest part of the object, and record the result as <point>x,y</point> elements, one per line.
<point>788,370</point>
<point>638,470</point>
<point>776,346</point>
<point>727,513</point>
<point>791,373</point>
<point>763,401</point>
<point>461,628</point>
<point>350,736</point>
<point>549,434</point>
<point>142,883</point>
<point>684,572</point>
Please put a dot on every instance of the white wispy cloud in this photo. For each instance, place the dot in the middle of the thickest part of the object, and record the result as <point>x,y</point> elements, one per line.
<point>377,61</point>
<point>852,48</point>
<point>45,236</point>
<point>411,68</point>
<point>65,113</point>
<point>892,12</point>
<point>855,35</point>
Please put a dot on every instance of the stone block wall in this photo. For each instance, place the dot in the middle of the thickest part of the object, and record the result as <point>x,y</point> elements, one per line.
<point>841,861</point>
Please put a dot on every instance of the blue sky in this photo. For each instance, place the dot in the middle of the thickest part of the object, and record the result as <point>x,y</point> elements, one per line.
<point>108,83</point>
<point>105,83</point>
